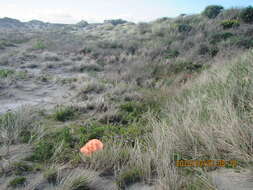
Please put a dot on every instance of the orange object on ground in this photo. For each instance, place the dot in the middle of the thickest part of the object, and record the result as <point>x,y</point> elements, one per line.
<point>91,146</point>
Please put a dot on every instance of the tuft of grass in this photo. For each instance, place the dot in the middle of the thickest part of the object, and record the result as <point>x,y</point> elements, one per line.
<point>4,73</point>
<point>18,126</point>
<point>92,86</point>
<point>21,167</point>
<point>79,179</point>
<point>128,177</point>
<point>39,45</point>
<point>51,175</point>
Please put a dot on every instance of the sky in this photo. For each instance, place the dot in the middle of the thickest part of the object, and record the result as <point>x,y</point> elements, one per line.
<point>72,11</point>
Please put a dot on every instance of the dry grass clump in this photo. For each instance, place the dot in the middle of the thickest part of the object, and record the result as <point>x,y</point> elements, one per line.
<point>50,56</point>
<point>76,179</point>
<point>92,86</point>
<point>89,66</point>
<point>211,116</point>
<point>17,127</point>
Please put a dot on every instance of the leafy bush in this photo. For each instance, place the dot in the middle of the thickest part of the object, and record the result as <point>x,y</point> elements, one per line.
<point>218,37</point>
<point>184,28</point>
<point>56,145</point>
<point>226,24</point>
<point>64,113</point>
<point>247,14</point>
<point>132,111</point>
<point>43,151</point>
<point>18,181</point>
<point>212,11</point>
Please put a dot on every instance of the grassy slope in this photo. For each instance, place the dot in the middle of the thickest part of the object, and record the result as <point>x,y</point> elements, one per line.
<point>196,103</point>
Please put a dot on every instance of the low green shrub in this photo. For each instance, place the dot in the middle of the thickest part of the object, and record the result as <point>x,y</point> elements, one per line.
<point>58,145</point>
<point>97,131</point>
<point>64,113</point>
<point>184,28</point>
<point>212,11</point>
<point>43,151</point>
<point>247,14</point>
<point>226,24</point>
<point>132,111</point>
<point>218,37</point>
<point>16,182</point>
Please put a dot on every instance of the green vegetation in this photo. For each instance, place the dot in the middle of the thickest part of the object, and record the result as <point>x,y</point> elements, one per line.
<point>39,45</point>
<point>218,37</point>
<point>184,28</point>
<point>226,24</point>
<point>212,11</point>
<point>64,113</point>
<point>247,14</point>
<point>18,181</point>
<point>153,93</point>
<point>55,145</point>
<point>5,43</point>
<point>5,73</point>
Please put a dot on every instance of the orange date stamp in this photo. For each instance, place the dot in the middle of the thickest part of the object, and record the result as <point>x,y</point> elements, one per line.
<point>206,163</point>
